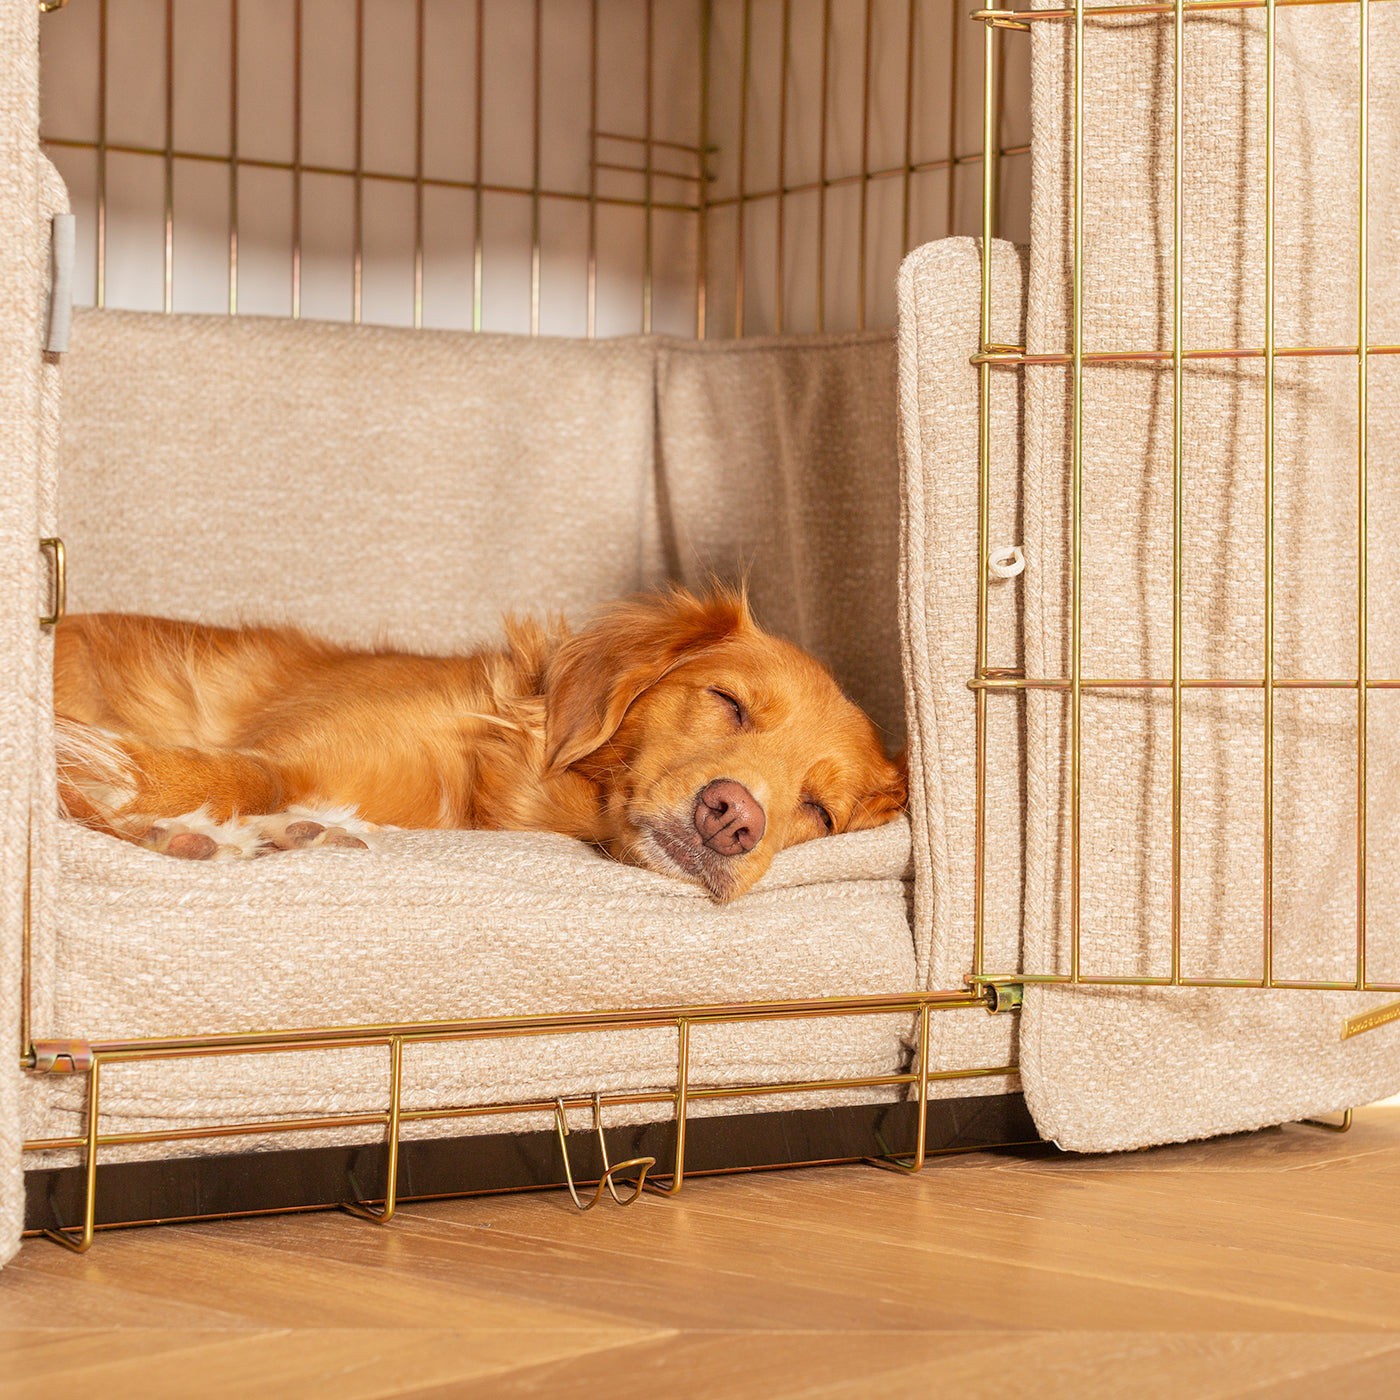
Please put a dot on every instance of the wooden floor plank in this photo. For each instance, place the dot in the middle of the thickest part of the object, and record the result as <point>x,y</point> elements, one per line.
<point>1373,1377</point>
<point>1266,1265</point>
<point>239,1278</point>
<point>936,1250</point>
<point>735,1365</point>
<point>1126,1366</point>
<point>309,1364</point>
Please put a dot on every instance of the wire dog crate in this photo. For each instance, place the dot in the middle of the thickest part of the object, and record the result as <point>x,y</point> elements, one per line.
<point>761,173</point>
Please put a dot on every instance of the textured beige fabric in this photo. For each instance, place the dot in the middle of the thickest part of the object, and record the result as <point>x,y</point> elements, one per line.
<point>939,330</point>
<point>1120,1068</point>
<point>451,925</point>
<point>361,481</point>
<point>23,254</point>
<point>779,463</point>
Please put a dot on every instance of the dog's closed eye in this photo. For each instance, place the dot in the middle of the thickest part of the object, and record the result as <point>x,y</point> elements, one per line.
<point>741,715</point>
<point>821,813</point>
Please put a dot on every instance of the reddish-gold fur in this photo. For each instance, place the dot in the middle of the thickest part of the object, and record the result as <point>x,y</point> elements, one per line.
<point>607,735</point>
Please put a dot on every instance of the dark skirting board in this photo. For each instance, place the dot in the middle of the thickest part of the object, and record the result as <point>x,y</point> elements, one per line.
<point>246,1183</point>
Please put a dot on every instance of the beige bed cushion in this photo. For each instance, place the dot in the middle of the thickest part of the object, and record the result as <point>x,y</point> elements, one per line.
<point>1117,1069</point>
<point>362,481</point>
<point>456,925</point>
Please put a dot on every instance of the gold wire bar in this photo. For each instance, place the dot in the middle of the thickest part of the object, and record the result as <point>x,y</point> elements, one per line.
<point>835,182</point>
<point>1017,19</point>
<point>702,230</point>
<point>682,1091</point>
<point>591,313</point>
<point>358,268</point>
<point>233,161</point>
<point>54,546</point>
<point>682,1094</point>
<point>699,152</point>
<point>1247,983</point>
<point>743,172</point>
<point>781,203</point>
<point>536,122</point>
<point>1001,122</point>
<point>418,170</point>
<point>1362,484</point>
<point>1269,102</point>
<point>951,163</point>
<point>422,1115</point>
<point>995,681</point>
<point>26,1045</point>
<point>391,1179</point>
<point>821,167</point>
<point>645,1164</point>
<point>346,1037</point>
<point>921,1142</point>
<point>1345,1125</point>
<point>1015,356</point>
<point>984,471</point>
<point>169,155</point>
<point>1077,488</point>
<point>478,226</point>
<point>675,206</point>
<point>908,125</point>
<point>864,172</point>
<point>915,1163</point>
<point>1178,454</point>
<point>80,1241</point>
<point>649,51</point>
<point>101,297</point>
<point>296,161</point>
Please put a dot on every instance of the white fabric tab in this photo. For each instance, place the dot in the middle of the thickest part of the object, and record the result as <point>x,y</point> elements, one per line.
<point>65,246</point>
<point>1006,562</point>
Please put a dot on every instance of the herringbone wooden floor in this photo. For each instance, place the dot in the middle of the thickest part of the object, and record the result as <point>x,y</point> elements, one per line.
<point>1266,1265</point>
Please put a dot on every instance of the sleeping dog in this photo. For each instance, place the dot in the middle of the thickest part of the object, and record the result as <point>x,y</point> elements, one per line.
<point>672,732</point>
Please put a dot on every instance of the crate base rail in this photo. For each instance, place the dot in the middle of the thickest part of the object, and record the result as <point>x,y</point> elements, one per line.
<point>79,1056</point>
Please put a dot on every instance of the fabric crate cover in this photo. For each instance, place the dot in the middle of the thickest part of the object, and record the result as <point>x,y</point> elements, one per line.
<point>1121,1067</point>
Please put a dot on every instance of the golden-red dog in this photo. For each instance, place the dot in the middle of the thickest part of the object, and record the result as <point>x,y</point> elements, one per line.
<point>672,732</point>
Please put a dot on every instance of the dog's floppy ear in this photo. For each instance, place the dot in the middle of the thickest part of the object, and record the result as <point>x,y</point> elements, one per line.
<point>886,798</point>
<point>595,676</point>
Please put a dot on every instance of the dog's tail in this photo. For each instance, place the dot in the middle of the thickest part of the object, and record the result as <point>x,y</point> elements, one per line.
<point>96,777</point>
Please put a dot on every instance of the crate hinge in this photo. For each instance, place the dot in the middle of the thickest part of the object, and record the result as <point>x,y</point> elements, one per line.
<point>1003,996</point>
<point>61,1057</point>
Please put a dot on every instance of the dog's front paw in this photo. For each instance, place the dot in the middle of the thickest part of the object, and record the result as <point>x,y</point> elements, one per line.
<point>291,831</point>
<point>191,838</point>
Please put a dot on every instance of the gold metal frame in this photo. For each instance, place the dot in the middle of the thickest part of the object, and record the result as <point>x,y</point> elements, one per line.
<point>89,1057</point>
<point>993,679</point>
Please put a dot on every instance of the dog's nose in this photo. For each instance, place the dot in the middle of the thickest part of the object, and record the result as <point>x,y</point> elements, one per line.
<point>729,817</point>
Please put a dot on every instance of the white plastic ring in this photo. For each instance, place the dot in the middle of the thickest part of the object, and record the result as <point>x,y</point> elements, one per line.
<point>1006,562</point>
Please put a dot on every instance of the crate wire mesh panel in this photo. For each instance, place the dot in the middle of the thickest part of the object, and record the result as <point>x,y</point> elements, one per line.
<point>712,169</point>
<point>570,167</point>
<point>1266,956</point>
